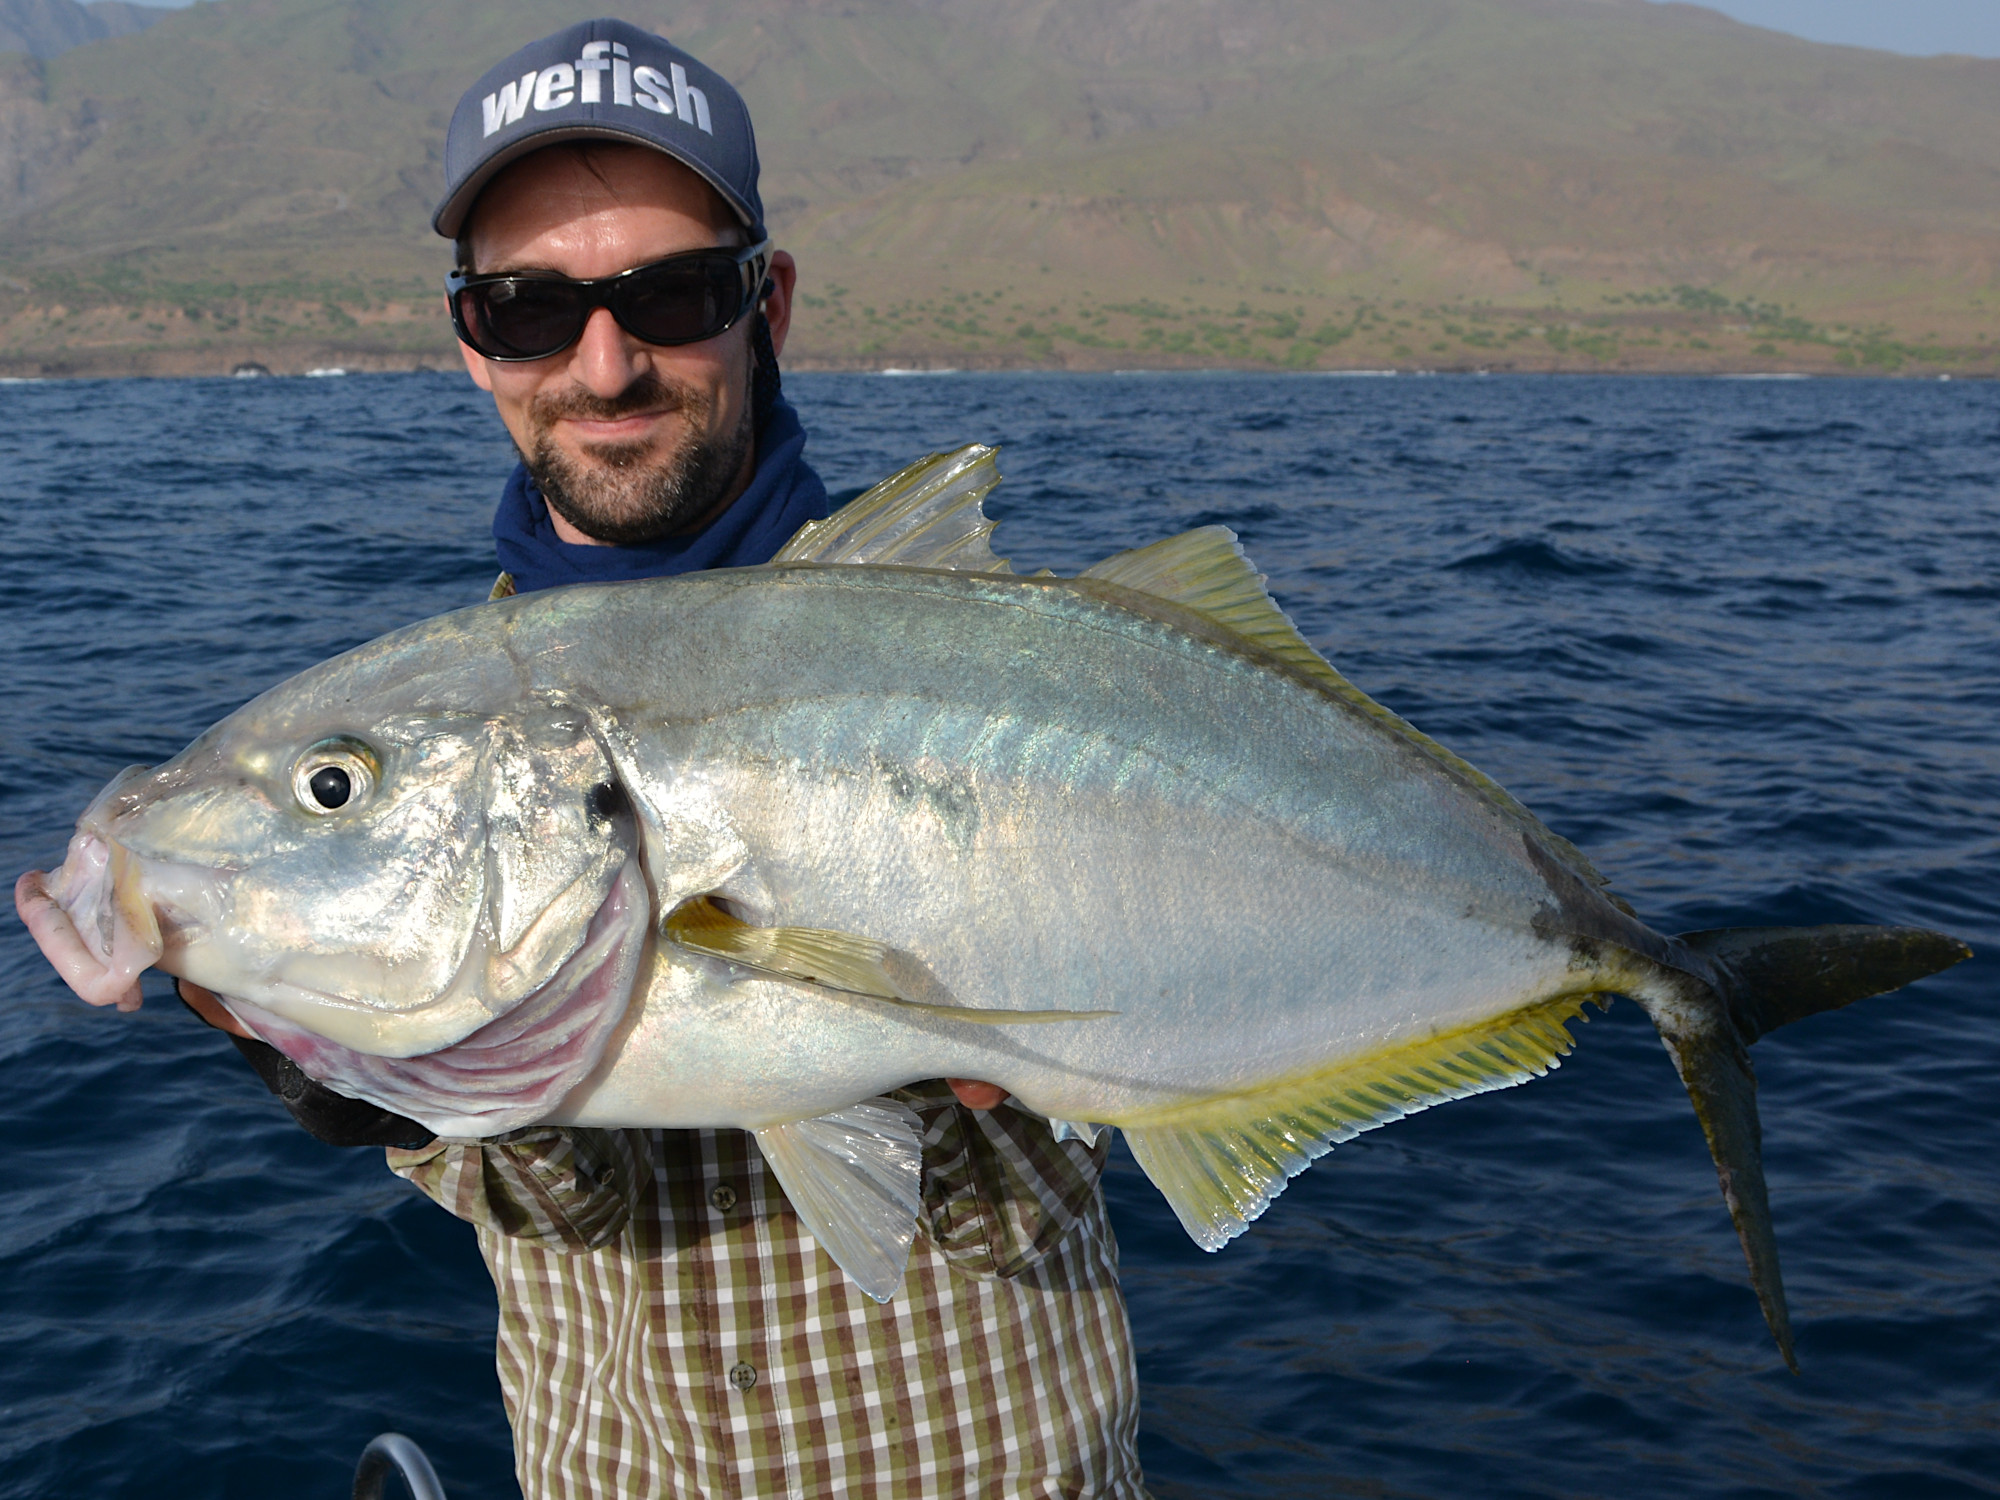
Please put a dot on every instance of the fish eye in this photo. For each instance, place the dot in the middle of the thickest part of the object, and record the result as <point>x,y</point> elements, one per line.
<point>333,775</point>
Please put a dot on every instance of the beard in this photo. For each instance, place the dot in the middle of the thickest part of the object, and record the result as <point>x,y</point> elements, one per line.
<point>624,493</point>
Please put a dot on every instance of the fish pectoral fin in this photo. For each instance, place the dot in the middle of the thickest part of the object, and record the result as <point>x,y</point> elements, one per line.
<point>855,1179</point>
<point>925,515</point>
<point>810,955</point>
<point>1220,1161</point>
<point>836,961</point>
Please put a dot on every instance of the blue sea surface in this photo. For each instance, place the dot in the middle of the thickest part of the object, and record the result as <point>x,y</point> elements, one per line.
<point>1740,641</point>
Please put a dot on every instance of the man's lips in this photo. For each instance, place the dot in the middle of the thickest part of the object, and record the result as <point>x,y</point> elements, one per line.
<point>624,429</point>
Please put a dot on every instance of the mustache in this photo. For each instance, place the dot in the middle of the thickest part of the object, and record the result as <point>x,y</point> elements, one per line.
<point>648,394</point>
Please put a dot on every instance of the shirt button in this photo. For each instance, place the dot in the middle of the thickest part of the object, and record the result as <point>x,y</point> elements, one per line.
<point>742,1376</point>
<point>723,1196</point>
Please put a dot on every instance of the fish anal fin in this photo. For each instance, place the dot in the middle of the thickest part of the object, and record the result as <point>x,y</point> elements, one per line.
<point>1221,1161</point>
<point>855,1179</point>
<point>837,961</point>
<point>925,515</point>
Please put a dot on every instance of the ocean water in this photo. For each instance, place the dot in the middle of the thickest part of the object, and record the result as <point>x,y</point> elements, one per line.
<point>1739,640</point>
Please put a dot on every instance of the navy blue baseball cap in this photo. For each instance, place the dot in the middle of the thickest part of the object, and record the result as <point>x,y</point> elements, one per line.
<point>601,81</point>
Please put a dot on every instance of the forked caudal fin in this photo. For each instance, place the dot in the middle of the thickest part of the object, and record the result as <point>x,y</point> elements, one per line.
<point>1761,978</point>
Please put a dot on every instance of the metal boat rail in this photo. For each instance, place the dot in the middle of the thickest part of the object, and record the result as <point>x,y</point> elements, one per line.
<point>392,1453</point>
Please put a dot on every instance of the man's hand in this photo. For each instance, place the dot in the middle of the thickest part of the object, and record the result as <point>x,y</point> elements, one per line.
<point>975,1095</point>
<point>325,1115</point>
<point>204,1004</point>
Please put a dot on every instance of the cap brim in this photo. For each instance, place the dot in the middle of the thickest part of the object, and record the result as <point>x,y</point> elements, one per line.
<point>450,215</point>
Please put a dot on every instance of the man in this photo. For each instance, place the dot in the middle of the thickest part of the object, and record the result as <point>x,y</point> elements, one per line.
<point>667,1325</point>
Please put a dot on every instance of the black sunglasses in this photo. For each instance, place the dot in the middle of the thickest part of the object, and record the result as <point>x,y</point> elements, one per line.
<point>680,300</point>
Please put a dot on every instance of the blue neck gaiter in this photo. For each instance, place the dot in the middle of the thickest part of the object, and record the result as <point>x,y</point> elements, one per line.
<point>783,495</point>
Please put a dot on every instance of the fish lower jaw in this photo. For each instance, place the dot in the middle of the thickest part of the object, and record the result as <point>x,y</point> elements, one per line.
<point>511,1072</point>
<point>354,1002</point>
<point>351,1024</point>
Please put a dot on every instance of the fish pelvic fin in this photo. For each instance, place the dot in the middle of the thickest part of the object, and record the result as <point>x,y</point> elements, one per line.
<point>838,961</point>
<point>1075,1130</point>
<point>855,1178</point>
<point>1205,570</point>
<point>1761,978</point>
<point>1220,1161</point>
<point>925,515</point>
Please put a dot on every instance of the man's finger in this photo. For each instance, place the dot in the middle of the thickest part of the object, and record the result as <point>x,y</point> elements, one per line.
<point>204,1004</point>
<point>976,1095</point>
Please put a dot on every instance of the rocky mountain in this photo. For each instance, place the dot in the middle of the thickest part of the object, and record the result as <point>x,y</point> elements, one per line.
<point>1562,183</point>
<point>43,28</point>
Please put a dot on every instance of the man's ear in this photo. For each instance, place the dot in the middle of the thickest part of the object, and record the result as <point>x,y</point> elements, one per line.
<point>782,276</point>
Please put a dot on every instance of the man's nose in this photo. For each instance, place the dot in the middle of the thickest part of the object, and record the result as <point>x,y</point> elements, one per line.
<point>607,359</point>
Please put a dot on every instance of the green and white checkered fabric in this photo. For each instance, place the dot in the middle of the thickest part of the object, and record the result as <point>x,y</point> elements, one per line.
<point>668,1327</point>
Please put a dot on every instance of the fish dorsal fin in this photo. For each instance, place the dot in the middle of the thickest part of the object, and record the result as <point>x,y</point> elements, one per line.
<point>855,1178</point>
<point>836,961</point>
<point>925,515</point>
<point>1221,1161</point>
<point>1205,570</point>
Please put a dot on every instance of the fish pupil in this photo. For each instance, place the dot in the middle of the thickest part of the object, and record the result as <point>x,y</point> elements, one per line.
<point>605,801</point>
<point>331,787</point>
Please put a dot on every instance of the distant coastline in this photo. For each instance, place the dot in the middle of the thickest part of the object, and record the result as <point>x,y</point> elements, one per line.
<point>280,363</point>
<point>1671,331</point>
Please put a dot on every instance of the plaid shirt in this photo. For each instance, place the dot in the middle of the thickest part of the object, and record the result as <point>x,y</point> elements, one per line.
<point>669,1327</point>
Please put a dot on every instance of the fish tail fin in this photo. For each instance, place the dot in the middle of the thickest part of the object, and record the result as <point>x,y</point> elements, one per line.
<point>1749,981</point>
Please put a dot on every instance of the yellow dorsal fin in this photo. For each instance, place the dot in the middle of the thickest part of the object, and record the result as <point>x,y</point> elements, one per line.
<point>1221,1161</point>
<point>836,961</point>
<point>1205,570</point>
<point>925,515</point>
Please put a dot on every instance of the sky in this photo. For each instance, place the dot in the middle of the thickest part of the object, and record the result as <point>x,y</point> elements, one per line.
<point>1917,26</point>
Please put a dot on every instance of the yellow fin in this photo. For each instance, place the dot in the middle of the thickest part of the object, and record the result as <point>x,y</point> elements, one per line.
<point>835,961</point>
<point>925,515</point>
<point>1221,1161</point>
<point>1205,570</point>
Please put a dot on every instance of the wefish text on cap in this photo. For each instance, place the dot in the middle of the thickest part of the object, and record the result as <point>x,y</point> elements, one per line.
<point>601,80</point>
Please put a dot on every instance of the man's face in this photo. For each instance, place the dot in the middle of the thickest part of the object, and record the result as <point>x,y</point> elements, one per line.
<point>628,441</point>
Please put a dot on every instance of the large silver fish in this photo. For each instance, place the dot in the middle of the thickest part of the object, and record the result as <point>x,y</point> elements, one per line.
<point>750,848</point>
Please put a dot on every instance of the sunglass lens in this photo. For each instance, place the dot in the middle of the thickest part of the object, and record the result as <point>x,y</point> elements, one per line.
<point>682,303</point>
<point>523,319</point>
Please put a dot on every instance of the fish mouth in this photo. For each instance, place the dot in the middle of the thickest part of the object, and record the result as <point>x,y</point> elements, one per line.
<point>105,914</point>
<point>514,1070</point>
<point>91,921</point>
